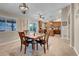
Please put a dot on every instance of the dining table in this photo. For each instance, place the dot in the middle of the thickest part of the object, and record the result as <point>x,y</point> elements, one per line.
<point>34,37</point>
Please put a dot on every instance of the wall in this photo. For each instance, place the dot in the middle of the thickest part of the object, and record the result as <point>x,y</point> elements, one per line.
<point>64,18</point>
<point>76,28</point>
<point>76,41</point>
<point>73,25</point>
<point>21,24</point>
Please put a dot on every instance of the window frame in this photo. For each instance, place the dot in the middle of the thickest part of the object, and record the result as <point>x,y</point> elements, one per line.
<point>6,21</point>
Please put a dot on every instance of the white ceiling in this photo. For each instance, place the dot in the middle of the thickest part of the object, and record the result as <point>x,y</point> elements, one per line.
<point>48,10</point>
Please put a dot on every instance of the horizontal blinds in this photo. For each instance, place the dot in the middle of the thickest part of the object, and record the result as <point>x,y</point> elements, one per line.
<point>2,20</point>
<point>11,21</point>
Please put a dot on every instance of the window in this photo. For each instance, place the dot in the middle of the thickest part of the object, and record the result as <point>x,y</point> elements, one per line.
<point>10,25</point>
<point>2,25</point>
<point>32,27</point>
<point>7,25</point>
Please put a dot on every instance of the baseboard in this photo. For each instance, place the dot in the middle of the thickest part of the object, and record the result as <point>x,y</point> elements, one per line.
<point>5,43</point>
<point>76,52</point>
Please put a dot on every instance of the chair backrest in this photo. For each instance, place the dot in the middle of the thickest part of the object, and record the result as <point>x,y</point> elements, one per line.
<point>25,31</point>
<point>45,31</point>
<point>41,30</point>
<point>22,36</point>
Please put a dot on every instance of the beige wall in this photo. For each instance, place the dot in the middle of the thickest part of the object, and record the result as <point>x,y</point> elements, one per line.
<point>64,18</point>
<point>73,26</point>
<point>76,30</point>
<point>76,41</point>
<point>21,24</point>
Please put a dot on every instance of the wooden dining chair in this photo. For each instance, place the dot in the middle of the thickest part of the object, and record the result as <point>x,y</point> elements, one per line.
<point>24,41</point>
<point>41,30</point>
<point>25,31</point>
<point>44,41</point>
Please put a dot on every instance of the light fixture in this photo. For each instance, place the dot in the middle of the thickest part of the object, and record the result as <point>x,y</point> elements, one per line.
<point>23,7</point>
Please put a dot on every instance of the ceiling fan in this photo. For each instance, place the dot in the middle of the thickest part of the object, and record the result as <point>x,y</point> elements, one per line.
<point>23,7</point>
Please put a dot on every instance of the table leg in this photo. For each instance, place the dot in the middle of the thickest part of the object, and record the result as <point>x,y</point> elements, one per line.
<point>33,47</point>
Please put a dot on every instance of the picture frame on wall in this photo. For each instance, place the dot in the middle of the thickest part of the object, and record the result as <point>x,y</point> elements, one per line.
<point>64,23</point>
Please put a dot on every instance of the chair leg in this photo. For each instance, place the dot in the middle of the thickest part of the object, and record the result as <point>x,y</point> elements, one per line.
<point>44,49</point>
<point>37,46</point>
<point>47,46</point>
<point>25,50</point>
<point>33,48</point>
<point>41,44</point>
<point>21,48</point>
